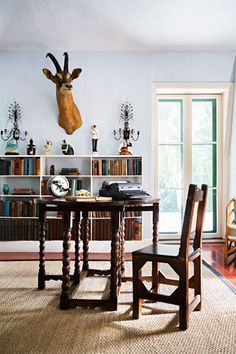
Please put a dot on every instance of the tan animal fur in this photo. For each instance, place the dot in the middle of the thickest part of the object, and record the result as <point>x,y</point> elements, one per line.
<point>69,117</point>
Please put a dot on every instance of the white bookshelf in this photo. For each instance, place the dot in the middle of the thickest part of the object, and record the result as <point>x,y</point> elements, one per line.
<point>90,178</point>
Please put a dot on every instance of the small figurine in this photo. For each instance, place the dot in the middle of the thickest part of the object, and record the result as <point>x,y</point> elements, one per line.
<point>31,148</point>
<point>47,147</point>
<point>52,170</point>
<point>125,150</point>
<point>95,136</point>
<point>66,148</point>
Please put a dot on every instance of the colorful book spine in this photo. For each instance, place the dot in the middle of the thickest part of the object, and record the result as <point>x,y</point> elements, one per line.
<point>30,166</point>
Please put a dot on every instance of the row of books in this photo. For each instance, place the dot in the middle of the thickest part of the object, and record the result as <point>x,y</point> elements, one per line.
<point>18,208</point>
<point>28,229</point>
<point>54,230</point>
<point>101,229</point>
<point>20,166</point>
<point>19,229</point>
<point>121,167</point>
<point>107,214</point>
<point>75,185</point>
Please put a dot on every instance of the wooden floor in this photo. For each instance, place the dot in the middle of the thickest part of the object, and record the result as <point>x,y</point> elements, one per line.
<point>213,254</point>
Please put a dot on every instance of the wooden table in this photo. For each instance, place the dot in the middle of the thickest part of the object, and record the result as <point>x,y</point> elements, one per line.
<point>77,207</point>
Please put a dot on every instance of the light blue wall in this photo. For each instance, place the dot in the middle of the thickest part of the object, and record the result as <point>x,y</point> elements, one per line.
<point>107,80</point>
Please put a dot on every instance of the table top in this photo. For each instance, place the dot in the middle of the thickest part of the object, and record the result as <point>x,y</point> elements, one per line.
<point>70,201</point>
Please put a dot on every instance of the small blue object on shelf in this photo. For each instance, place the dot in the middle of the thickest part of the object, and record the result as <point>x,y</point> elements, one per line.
<point>5,188</point>
<point>12,147</point>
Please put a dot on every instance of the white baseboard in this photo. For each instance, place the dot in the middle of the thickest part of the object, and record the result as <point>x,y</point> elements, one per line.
<point>56,246</point>
<point>94,246</point>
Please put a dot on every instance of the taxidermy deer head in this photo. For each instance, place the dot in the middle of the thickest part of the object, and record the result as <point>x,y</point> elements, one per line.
<point>69,116</point>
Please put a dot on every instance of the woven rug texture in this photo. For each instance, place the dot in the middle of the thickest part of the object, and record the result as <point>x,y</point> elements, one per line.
<point>31,321</point>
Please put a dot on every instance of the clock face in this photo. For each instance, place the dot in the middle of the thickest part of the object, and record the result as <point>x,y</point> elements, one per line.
<point>58,185</point>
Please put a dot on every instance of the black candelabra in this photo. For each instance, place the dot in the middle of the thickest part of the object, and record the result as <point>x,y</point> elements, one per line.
<point>126,133</point>
<point>14,132</point>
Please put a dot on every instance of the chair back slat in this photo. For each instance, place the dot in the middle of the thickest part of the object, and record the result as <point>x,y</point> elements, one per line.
<point>193,218</point>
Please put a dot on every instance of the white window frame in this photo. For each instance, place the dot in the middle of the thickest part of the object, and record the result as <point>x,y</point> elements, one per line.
<point>224,94</point>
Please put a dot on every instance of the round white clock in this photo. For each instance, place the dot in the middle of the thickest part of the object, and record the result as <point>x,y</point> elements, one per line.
<point>58,186</point>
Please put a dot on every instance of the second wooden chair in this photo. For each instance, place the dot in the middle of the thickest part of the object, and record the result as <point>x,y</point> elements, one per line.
<point>178,257</point>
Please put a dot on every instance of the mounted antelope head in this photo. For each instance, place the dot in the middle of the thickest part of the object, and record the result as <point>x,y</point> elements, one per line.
<point>69,116</point>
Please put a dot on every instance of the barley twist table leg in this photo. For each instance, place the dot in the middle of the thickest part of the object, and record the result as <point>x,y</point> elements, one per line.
<point>155,266</point>
<point>121,246</point>
<point>155,220</point>
<point>114,261</point>
<point>85,235</point>
<point>77,248</point>
<point>64,301</point>
<point>42,233</point>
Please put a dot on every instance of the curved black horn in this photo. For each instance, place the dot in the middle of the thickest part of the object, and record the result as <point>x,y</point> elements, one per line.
<point>66,69</point>
<point>55,62</point>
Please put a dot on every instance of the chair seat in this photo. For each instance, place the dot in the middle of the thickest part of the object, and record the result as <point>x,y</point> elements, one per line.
<point>162,250</point>
<point>231,238</point>
<point>232,230</point>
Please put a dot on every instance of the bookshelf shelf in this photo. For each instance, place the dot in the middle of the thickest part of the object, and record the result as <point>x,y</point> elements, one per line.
<point>117,176</point>
<point>20,176</point>
<point>68,176</point>
<point>18,213</point>
<point>19,217</point>
<point>19,196</point>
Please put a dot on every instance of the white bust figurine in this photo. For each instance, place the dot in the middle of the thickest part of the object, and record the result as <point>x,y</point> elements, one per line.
<point>95,135</point>
<point>47,147</point>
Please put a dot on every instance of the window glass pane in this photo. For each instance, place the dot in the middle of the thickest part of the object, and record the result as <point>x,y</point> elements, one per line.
<point>170,166</point>
<point>170,210</point>
<point>203,164</point>
<point>210,216</point>
<point>170,121</point>
<point>203,120</point>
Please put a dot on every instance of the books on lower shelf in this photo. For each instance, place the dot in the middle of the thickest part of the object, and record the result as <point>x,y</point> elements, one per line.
<point>18,208</point>
<point>101,229</point>
<point>107,214</point>
<point>28,229</point>
<point>19,229</point>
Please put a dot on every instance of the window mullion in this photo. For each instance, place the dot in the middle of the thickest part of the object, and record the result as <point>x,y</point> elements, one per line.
<point>187,143</point>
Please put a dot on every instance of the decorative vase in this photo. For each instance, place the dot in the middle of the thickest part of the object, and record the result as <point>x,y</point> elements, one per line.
<point>5,188</point>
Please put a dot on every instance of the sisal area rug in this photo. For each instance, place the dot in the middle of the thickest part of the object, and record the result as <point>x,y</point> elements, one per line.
<point>31,321</point>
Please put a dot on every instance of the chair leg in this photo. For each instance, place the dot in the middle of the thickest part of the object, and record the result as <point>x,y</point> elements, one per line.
<point>197,280</point>
<point>184,303</point>
<point>226,252</point>
<point>155,277</point>
<point>137,301</point>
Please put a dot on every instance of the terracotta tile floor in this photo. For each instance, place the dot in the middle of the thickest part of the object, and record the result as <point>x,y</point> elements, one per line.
<point>213,254</point>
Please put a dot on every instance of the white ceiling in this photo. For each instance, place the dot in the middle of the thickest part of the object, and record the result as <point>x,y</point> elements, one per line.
<point>142,25</point>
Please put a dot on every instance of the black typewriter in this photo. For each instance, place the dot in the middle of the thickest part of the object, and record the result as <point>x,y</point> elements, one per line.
<point>123,190</point>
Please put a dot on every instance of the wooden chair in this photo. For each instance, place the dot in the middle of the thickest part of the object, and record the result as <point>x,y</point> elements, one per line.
<point>230,229</point>
<point>178,257</point>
